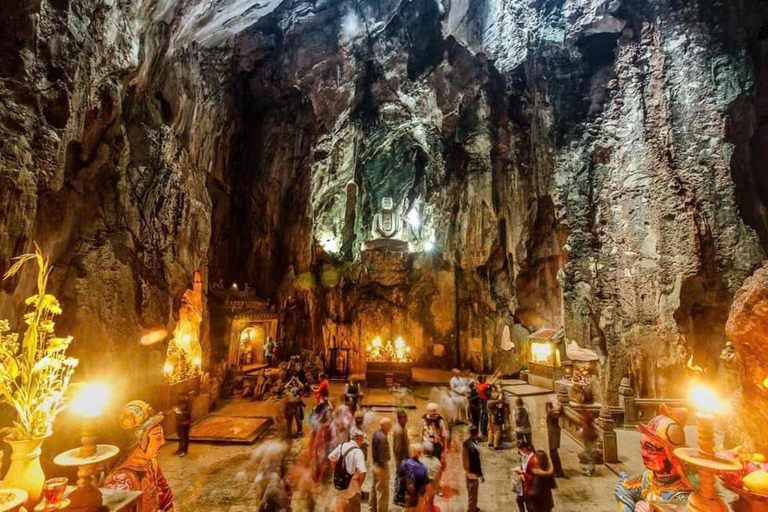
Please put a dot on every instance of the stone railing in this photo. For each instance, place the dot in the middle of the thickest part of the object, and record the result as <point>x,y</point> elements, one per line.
<point>632,410</point>
<point>577,416</point>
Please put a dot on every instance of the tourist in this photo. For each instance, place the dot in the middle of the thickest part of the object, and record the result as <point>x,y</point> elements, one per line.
<point>459,396</point>
<point>434,474</point>
<point>589,435</point>
<point>269,351</point>
<point>473,469</point>
<point>323,389</point>
<point>482,393</point>
<point>294,408</point>
<point>380,456</point>
<point>348,474</point>
<point>411,481</point>
<point>352,395</point>
<point>183,423</point>
<point>525,470</point>
<point>433,429</point>
<point>542,483</point>
<point>475,405</point>
<point>499,416</point>
<point>359,419</point>
<point>522,422</point>
<point>400,439</point>
<point>554,413</point>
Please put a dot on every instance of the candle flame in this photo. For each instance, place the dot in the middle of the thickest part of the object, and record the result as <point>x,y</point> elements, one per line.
<point>705,400</point>
<point>91,400</point>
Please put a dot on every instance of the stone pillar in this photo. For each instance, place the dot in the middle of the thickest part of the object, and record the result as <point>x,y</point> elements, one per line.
<point>610,445</point>
<point>627,402</point>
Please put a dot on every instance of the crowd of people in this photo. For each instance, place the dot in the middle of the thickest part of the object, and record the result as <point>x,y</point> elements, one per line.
<point>406,462</point>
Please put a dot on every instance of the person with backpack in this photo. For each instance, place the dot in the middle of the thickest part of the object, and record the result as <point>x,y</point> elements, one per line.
<point>412,480</point>
<point>348,474</point>
<point>522,422</point>
<point>499,417</point>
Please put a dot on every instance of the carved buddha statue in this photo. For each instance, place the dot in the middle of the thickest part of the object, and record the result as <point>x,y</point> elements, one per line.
<point>387,223</point>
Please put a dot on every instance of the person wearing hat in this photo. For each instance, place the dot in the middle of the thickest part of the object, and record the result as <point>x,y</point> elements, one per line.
<point>350,499</point>
<point>433,429</point>
<point>137,469</point>
<point>473,468</point>
<point>664,478</point>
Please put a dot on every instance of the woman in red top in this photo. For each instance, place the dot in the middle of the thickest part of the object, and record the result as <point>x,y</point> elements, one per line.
<point>323,389</point>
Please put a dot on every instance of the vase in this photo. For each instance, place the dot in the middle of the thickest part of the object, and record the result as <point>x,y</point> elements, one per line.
<point>25,471</point>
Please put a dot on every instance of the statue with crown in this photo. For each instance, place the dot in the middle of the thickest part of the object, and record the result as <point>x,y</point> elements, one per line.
<point>664,478</point>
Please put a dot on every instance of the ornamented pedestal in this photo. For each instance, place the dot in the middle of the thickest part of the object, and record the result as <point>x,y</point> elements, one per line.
<point>87,497</point>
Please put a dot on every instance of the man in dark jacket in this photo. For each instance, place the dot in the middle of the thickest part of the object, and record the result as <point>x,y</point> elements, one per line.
<point>400,440</point>
<point>554,413</point>
<point>183,423</point>
<point>380,455</point>
<point>472,467</point>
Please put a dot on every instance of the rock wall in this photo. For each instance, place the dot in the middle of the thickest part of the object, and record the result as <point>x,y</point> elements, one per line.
<point>590,164</point>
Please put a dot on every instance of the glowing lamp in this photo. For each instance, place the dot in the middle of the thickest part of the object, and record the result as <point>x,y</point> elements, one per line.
<point>765,383</point>
<point>91,400</point>
<point>376,342</point>
<point>330,245</point>
<point>705,400</point>
<point>540,352</point>
<point>88,458</point>
<point>197,362</point>
<point>428,246</point>
<point>399,343</point>
<point>707,464</point>
<point>168,368</point>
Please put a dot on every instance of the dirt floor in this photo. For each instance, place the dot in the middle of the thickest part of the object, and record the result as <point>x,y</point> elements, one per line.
<point>221,477</point>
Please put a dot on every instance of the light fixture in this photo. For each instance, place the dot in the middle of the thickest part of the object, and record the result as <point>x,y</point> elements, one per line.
<point>90,404</point>
<point>708,465</point>
<point>428,246</point>
<point>330,245</point>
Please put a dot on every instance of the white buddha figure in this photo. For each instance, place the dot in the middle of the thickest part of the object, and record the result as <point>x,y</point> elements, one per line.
<point>387,223</point>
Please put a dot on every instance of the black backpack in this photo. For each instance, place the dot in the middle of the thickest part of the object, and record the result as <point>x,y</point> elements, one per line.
<point>342,477</point>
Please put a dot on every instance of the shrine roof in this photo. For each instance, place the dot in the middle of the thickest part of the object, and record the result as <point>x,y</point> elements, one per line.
<point>547,334</point>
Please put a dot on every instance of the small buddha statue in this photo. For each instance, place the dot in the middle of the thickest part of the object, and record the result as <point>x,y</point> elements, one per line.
<point>387,223</point>
<point>138,470</point>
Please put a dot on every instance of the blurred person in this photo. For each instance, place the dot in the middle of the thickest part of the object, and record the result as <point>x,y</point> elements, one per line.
<point>499,418</point>
<point>433,429</point>
<point>525,470</point>
<point>474,405</point>
<point>380,456</point>
<point>323,389</point>
<point>542,483</point>
<point>348,474</point>
<point>554,413</point>
<point>434,474</point>
<point>482,393</point>
<point>522,422</point>
<point>352,394</point>
<point>400,439</point>
<point>412,481</point>
<point>183,423</point>
<point>473,469</point>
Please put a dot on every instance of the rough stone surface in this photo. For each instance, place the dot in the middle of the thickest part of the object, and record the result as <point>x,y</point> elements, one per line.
<point>595,165</point>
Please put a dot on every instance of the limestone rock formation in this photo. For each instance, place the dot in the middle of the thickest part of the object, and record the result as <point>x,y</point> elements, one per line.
<point>747,328</point>
<point>588,164</point>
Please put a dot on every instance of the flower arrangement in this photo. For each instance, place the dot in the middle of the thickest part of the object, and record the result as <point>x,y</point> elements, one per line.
<point>35,373</point>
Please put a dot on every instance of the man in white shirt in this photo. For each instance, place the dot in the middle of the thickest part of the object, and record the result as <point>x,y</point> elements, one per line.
<point>349,500</point>
<point>459,396</point>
